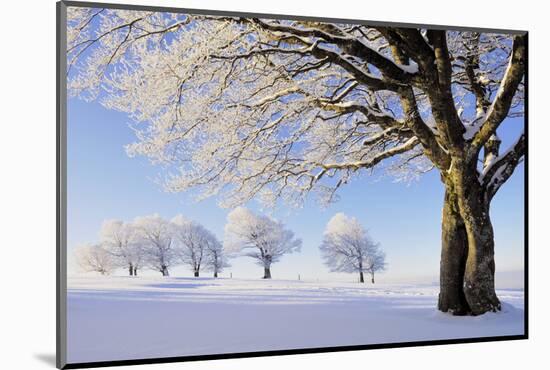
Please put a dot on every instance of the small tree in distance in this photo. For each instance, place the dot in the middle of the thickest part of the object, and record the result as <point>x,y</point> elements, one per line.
<point>259,237</point>
<point>216,260</point>
<point>92,257</point>
<point>347,247</point>
<point>120,240</point>
<point>192,239</point>
<point>156,235</point>
<point>376,262</point>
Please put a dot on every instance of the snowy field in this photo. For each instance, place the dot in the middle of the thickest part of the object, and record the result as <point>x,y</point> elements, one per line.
<point>116,318</point>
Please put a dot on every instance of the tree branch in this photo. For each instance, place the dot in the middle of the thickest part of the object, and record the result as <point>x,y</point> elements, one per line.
<point>354,166</point>
<point>500,107</point>
<point>501,169</point>
<point>414,121</point>
<point>411,42</point>
<point>350,45</point>
<point>441,96</point>
<point>471,65</point>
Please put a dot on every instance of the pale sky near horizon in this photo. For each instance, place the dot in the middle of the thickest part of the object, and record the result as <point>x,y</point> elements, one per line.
<point>104,183</point>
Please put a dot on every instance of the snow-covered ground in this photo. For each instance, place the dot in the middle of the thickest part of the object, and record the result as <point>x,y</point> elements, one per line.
<point>115,318</point>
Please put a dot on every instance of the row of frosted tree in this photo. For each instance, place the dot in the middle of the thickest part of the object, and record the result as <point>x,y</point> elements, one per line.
<point>155,243</point>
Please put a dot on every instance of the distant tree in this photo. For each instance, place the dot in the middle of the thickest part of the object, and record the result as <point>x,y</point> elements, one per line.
<point>376,261</point>
<point>192,240</point>
<point>347,247</point>
<point>92,257</point>
<point>121,240</point>
<point>155,234</point>
<point>216,259</point>
<point>259,237</point>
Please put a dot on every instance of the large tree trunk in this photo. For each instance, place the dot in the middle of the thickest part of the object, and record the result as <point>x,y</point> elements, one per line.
<point>164,271</point>
<point>215,274</point>
<point>135,271</point>
<point>131,270</point>
<point>196,273</point>
<point>467,257</point>
<point>453,258</point>
<point>361,277</point>
<point>479,275</point>
<point>267,273</point>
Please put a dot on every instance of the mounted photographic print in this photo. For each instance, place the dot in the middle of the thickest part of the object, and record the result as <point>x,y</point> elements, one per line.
<point>235,185</point>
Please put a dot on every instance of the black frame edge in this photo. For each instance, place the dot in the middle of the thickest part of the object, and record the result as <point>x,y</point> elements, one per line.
<point>526,194</point>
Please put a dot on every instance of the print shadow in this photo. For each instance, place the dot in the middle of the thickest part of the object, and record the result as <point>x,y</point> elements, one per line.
<point>46,358</point>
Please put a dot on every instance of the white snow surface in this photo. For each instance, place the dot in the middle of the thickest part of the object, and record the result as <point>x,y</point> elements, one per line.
<point>117,318</point>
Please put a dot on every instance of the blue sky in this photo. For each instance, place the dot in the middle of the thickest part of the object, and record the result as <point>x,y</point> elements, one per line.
<point>104,183</point>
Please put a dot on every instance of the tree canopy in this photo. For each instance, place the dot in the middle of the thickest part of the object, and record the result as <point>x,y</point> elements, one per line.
<point>303,105</point>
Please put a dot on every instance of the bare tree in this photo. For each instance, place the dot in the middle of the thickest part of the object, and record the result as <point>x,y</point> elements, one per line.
<point>156,235</point>
<point>259,237</point>
<point>248,107</point>
<point>347,247</point>
<point>120,239</point>
<point>92,257</point>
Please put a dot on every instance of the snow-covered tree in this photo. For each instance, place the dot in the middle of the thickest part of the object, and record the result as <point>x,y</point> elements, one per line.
<point>347,247</point>
<point>376,261</point>
<point>216,258</point>
<point>192,240</point>
<point>93,257</point>
<point>246,107</point>
<point>260,237</point>
<point>155,235</point>
<point>121,240</point>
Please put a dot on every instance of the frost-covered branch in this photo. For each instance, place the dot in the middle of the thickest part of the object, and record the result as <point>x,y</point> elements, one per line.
<point>349,45</point>
<point>500,106</point>
<point>405,147</point>
<point>501,168</point>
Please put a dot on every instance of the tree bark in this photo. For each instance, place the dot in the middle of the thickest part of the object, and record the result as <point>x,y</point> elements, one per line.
<point>361,278</point>
<point>135,271</point>
<point>372,278</point>
<point>196,273</point>
<point>131,270</point>
<point>453,258</point>
<point>479,274</point>
<point>267,273</point>
<point>215,274</point>
<point>467,257</point>
<point>164,271</point>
